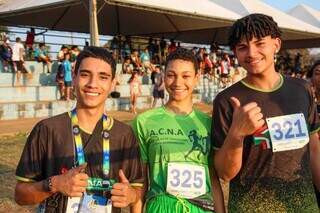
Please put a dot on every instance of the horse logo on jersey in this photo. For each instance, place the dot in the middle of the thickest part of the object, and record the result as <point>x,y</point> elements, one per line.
<point>199,143</point>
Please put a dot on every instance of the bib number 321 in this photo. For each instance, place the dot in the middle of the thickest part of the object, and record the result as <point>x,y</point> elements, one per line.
<point>288,132</point>
<point>185,180</point>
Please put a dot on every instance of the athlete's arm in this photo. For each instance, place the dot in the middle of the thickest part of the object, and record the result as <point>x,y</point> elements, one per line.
<point>228,159</point>
<point>72,183</point>
<point>27,193</point>
<point>41,32</point>
<point>315,158</point>
<point>217,192</point>
<point>245,121</point>
<point>137,207</point>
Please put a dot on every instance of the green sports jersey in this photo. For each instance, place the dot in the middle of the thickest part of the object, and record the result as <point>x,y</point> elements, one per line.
<point>165,138</point>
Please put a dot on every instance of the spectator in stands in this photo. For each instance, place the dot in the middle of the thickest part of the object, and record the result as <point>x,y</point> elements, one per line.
<point>172,47</point>
<point>200,58</point>
<point>135,60</point>
<point>163,47</point>
<point>115,47</point>
<point>74,52</point>
<point>127,66</point>
<point>297,66</point>
<point>158,89</point>
<point>60,81</point>
<point>156,56</point>
<point>225,69</point>
<point>41,55</point>
<point>63,50</point>
<point>18,53</point>
<point>151,47</point>
<point>146,61</point>
<point>135,90</point>
<point>67,68</point>
<point>30,40</point>
<point>60,73</point>
<point>208,65</point>
<point>6,54</point>
<point>126,51</point>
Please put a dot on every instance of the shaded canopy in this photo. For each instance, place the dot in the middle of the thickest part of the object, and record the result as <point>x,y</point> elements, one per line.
<point>201,21</point>
<point>307,14</point>
<point>131,17</point>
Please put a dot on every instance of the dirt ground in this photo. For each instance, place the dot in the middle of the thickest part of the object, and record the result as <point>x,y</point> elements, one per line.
<point>12,127</point>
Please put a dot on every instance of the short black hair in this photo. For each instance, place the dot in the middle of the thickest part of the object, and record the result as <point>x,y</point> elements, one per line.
<point>254,25</point>
<point>311,71</point>
<point>99,53</point>
<point>183,54</point>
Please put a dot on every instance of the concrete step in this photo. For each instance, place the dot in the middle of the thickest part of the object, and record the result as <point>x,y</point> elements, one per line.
<point>51,93</point>
<point>48,79</point>
<point>40,109</point>
<point>11,111</point>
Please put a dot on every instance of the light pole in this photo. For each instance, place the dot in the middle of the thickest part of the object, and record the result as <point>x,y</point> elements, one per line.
<point>94,31</point>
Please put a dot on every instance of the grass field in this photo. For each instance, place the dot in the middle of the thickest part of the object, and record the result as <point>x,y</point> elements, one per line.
<point>10,151</point>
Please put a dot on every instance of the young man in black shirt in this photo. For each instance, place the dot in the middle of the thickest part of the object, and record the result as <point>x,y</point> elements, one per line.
<point>82,161</point>
<point>265,128</point>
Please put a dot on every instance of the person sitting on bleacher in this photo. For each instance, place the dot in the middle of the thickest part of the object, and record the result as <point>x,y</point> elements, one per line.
<point>74,54</point>
<point>30,40</point>
<point>6,54</point>
<point>41,55</point>
<point>127,66</point>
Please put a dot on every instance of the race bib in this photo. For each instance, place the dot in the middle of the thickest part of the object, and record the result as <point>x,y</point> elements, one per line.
<point>89,204</point>
<point>288,132</point>
<point>186,180</point>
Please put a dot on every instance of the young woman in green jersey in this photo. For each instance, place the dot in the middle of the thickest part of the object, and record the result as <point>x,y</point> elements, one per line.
<point>175,146</point>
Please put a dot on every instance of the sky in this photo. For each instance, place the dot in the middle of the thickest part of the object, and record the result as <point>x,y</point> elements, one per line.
<point>286,5</point>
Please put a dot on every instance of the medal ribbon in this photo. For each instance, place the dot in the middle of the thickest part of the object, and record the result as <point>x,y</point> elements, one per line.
<point>107,124</point>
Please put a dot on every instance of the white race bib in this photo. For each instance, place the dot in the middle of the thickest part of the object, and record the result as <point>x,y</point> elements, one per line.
<point>88,204</point>
<point>186,180</point>
<point>288,132</point>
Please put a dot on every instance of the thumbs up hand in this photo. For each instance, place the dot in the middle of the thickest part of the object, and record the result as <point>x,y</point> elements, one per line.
<point>72,183</point>
<point>122,194</point>
<point>246,119</point>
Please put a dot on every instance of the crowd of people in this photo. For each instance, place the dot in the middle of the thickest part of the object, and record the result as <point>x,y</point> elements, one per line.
<point>262,137</point>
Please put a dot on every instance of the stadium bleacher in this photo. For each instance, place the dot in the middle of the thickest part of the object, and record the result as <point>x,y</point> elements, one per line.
<point>38,96</point>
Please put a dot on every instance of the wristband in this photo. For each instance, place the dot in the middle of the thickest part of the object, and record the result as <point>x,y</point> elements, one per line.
<point>47,185</point>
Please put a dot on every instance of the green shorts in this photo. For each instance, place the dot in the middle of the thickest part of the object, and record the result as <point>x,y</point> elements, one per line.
<point>170,204</point>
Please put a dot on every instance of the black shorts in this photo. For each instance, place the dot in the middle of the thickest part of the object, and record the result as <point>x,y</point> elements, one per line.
<point>68,83</point>
<point>224,75</point>
<point>18,66</point>
<point>158,93</point>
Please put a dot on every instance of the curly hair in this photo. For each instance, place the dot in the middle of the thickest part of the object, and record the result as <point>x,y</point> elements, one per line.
<point>99,53</point>
<point>183,54</point>
<point>254,25</point>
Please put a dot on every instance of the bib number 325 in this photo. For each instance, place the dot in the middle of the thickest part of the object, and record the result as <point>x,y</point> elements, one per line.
<point>288,132</point>
<point>185,180</point>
